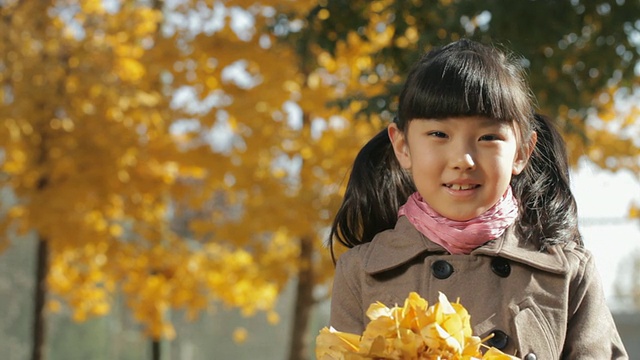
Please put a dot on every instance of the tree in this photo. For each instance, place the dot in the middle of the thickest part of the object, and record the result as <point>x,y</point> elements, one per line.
<point>89,151</point>
<point>120,116</point>
<point>581,56</point>
<point>100,160</point>
<point>286,171</point>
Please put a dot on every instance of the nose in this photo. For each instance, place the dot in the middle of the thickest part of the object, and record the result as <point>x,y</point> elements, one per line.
<point>463,160</point>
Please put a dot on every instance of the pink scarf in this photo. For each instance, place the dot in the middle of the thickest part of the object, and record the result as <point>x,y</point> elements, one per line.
<point>460,237</point>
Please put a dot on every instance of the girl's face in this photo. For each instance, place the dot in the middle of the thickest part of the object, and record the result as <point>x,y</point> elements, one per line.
<point>460,166</point>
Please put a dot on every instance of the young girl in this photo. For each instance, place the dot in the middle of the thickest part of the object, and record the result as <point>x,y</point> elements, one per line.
<point>467,193</point>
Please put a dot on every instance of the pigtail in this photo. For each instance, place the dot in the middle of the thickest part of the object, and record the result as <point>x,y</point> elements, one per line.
<point>377,187</point>
<point>548,210</point>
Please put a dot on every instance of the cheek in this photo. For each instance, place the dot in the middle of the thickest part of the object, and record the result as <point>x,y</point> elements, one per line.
<point>504,165</point>
<point>427,161</point>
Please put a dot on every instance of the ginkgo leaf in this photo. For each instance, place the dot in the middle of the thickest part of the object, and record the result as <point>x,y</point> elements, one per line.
<point>392,333</point>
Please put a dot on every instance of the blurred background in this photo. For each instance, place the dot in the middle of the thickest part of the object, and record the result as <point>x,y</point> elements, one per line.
<point>169,169</point>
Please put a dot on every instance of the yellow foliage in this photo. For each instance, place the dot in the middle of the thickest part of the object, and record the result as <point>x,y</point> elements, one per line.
<point>93,7</point>
<point>634,211</point>
<point>54,306</point>
<point>413,331</point>
<point>94,148</point>
<point>92,153</point>
<point>286,6</point>
<point>273,318</point>
<point>240,335</point>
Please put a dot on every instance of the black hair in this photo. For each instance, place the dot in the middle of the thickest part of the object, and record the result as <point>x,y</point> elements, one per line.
<point>466,78</point>
<point>377,187</point>
<point>461,79</point>
<point>548,209</point>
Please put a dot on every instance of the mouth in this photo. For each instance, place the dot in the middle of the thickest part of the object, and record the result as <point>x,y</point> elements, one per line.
<point>462,186</point>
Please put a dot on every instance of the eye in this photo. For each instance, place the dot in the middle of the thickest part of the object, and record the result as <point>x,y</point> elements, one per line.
<point>438,134</point>
<point>490,137</point>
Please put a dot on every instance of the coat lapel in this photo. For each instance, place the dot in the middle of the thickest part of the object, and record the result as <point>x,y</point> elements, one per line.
<point>508,246</point>
<point>395,247</point>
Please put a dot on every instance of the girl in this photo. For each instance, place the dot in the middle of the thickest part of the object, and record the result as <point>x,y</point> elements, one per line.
<point>467,193</point>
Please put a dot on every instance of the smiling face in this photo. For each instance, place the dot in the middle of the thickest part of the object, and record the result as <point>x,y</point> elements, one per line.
<point>460,166</point>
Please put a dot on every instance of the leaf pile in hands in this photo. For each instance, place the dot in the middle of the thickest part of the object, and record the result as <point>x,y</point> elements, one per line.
<point>415,331</point>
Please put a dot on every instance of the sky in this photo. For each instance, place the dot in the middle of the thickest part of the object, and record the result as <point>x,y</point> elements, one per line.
<point>604,199</point>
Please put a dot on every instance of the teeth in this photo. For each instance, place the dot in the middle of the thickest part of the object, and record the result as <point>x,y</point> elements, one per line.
<point>461,187</point>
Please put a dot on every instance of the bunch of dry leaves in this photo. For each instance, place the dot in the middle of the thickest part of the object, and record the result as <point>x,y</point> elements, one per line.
<point>414,331</point>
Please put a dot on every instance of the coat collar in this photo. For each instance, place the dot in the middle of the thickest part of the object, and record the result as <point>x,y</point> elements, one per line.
<point>395,247</point>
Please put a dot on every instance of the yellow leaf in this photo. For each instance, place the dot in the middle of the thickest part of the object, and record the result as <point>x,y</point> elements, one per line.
<point>54,306</point>
<point>273,318</point>
<point>129,69</point>
<point>634,211</point>
<point>414,331</point>
<point>240,335</point>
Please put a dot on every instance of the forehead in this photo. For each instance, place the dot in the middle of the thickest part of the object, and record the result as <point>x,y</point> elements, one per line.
<point>467,121</point>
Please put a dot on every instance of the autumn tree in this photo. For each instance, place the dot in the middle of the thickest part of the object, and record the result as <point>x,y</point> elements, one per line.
<point>102,148</point>
<point>581,57</point>
<point>289,148</point>
<point>90,152</point>
<point>335,60</point>
<point>118,117</point>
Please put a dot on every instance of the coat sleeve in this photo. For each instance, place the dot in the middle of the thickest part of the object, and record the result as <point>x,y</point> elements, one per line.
<point>347,314</point>
<point>591,332</point>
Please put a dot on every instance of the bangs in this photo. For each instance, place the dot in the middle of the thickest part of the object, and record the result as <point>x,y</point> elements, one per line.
<point>471,82</point>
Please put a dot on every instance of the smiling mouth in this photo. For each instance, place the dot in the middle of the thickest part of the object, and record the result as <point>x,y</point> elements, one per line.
<point>462,186</point>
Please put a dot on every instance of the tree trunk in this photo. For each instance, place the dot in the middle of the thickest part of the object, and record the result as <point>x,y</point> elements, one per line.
<point>155,350</point>
<point>299,349</point>
<point>39,326</point>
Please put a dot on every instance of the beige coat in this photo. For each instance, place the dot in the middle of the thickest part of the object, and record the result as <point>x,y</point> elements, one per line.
<point>541,305</point>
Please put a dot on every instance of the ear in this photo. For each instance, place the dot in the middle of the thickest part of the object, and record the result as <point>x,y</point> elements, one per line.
<point>522,156</point>
<point>400,146</point>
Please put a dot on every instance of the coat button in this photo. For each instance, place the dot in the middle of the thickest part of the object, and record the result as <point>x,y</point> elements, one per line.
<point>501,267</point>
<point>441,269</point>
<point>499,340</point>
<point>530,356</point>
